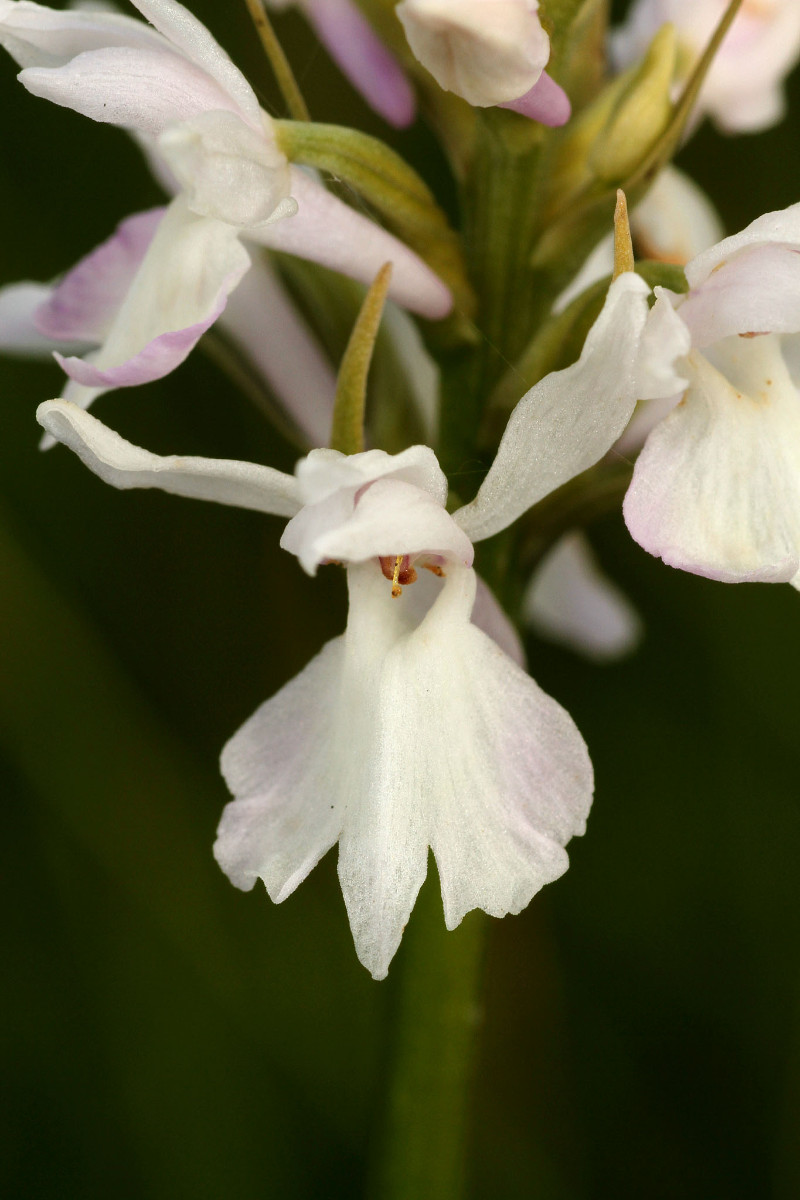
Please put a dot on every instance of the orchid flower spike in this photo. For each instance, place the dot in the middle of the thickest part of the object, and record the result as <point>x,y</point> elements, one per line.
<point>490,52</point>
<point>361,56</point>
<point>176,90</point>
<point>716,489</point>
<point>412,730</point>
<point>743,90</point>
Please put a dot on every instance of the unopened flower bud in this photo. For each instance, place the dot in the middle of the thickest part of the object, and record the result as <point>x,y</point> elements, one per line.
<point>640,114</point>
<point>488,51</point>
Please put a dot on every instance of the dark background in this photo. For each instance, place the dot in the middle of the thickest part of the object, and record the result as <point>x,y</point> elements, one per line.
<point>168,1036</point>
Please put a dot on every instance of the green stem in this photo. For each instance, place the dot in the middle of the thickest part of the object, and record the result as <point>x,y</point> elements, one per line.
<point>500,214</point>
<point>501,221</point>
<point>421,1150</point>
<point>278,61</point>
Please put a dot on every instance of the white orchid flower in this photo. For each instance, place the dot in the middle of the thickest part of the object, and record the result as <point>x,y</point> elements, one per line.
<point>743,90</point>
<point>413,729</point>
<point>490,52</point>
<point>148,293</point>
<point>716,489</point>
<point>361,56</point>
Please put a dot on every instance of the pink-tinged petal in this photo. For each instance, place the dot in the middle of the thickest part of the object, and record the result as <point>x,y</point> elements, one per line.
<point>755,291</point>
<point>716,489</point>
<point>568,420</point>
<point>571,601</point>
<point>36,36</point>
<point>123,465</point>
<point>546,102</point>
<point>190,36</point>
<point>361,55</point>
<point>180,289</point>
<point>138,88</point>
<point>388,518</point>
<point>83,305</point>
<point>489,616</point>
<point>327,231</point>
<point>19,331</point>
<point>263,322</point>
<point>157,359</point>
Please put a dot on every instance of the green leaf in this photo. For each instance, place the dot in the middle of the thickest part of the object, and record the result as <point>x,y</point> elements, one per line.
<point>347,433</point>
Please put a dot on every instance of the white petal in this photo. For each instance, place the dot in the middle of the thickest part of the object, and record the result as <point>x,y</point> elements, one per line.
<point>568,420</point>
<point>664,344</point>
<point>262,320</point>
<point>465,754</point>
<point>190,267</point>
<point>716,490</point>
<point>191,37</point>
<point>571,601</point>
<point>324,472</point>
<point>245,485</point>
<point>19,333</point>
<point>500,767</point>
<point>389,518</point>
<point>139,88</point>
<point>228,170</point>
<point>757,290</point>
<point>286,814</point>
<point>487,51</point>
<point>782,227</point>
<point>329,232</point>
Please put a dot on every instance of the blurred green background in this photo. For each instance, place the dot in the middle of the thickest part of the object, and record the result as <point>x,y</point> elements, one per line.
<point>168,1036</point>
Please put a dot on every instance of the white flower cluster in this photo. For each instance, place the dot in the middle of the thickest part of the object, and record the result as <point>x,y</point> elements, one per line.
<point>419,726</point>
